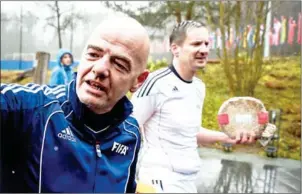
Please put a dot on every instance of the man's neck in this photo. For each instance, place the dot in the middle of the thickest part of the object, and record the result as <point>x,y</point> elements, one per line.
<point>184,72</point>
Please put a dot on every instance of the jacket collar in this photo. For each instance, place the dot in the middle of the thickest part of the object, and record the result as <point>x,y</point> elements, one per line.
<point>96,125</point>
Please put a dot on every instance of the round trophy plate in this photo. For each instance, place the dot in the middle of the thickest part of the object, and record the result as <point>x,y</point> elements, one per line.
<point>245,114</point>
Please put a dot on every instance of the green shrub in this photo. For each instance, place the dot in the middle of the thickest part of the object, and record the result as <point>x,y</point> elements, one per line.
<point>155,65</point>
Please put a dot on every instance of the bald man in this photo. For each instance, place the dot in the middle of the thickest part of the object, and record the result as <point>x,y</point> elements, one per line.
<point>78,137</point>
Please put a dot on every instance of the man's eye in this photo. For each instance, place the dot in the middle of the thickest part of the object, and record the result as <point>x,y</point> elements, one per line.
<point>200,43</point>
<point>93,55</point>
<point>120,66</point>
<point>196,43</point>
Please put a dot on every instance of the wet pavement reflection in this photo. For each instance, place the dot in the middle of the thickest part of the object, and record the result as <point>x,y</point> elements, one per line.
<point>229,176</point>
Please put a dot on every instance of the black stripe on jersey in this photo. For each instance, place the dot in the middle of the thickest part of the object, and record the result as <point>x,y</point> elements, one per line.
<point>148,82</point>
<point>156,80</point>
<point>161,184</point>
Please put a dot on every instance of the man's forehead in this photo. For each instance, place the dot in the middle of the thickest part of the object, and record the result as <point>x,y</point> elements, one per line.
<point>124,33</point>
<point>117,45</point>
<point>115,35</point>
<point>120,27</point>
<point>198,33</point>
<point>114,41</point>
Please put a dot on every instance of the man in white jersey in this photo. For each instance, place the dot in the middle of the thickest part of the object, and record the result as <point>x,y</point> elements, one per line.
<point>168,108</point>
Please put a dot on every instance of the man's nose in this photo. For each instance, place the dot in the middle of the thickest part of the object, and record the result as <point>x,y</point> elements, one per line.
<point>101,68</point>
<point>204,50</point>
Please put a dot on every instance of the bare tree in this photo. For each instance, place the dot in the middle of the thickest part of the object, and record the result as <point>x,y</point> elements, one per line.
<point>158,14</point>
<point>61,20</point>
<point>244,67</point>
<point>11,33</point>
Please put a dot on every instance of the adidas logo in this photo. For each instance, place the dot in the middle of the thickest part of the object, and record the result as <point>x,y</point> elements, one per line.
<point>175,89</point>
<point>67,134</point>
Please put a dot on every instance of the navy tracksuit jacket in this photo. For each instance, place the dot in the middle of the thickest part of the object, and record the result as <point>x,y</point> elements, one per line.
<point>49,143</point>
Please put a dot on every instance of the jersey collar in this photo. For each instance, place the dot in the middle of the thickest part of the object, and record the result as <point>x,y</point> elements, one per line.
<point>177,74</point>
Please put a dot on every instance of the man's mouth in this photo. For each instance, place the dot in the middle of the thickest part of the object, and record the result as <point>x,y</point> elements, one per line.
<point>200,57</point>
<point>96,85</point>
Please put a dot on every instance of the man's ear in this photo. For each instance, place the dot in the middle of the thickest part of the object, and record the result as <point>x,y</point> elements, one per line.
<point>174,49</point>
<point>140,80</point>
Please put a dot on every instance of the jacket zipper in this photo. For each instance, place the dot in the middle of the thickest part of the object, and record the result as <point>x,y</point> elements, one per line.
<point>98,149</point>
<point>98,155</point>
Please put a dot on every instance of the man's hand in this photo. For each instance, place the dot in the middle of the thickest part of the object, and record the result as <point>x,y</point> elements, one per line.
<point>207,136</point>
<point>241,138</point>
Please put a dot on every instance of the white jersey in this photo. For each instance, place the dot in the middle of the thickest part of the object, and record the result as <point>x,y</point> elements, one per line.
<point>169,109</point>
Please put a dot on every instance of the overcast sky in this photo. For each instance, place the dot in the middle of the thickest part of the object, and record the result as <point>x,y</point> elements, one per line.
<point>90,6</point>
<point>40,9</point>
<point>14,6</point>
<point>94,10</point>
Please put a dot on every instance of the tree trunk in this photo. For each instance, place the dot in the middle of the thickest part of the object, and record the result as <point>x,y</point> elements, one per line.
<point>175,9</point>
<point>238,69</point>
<point>40,75</point>
<point>21,38</point>
<point>190,10</point>
<point>225,59</point>
<point>58,23</point>
<point>258,48</point>
<point>71,29</point>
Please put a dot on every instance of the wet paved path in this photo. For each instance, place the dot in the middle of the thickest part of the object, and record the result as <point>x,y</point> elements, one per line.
<point>247,173</point>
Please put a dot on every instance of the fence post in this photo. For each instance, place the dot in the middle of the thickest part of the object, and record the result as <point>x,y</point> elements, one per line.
<point>42,60</point>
